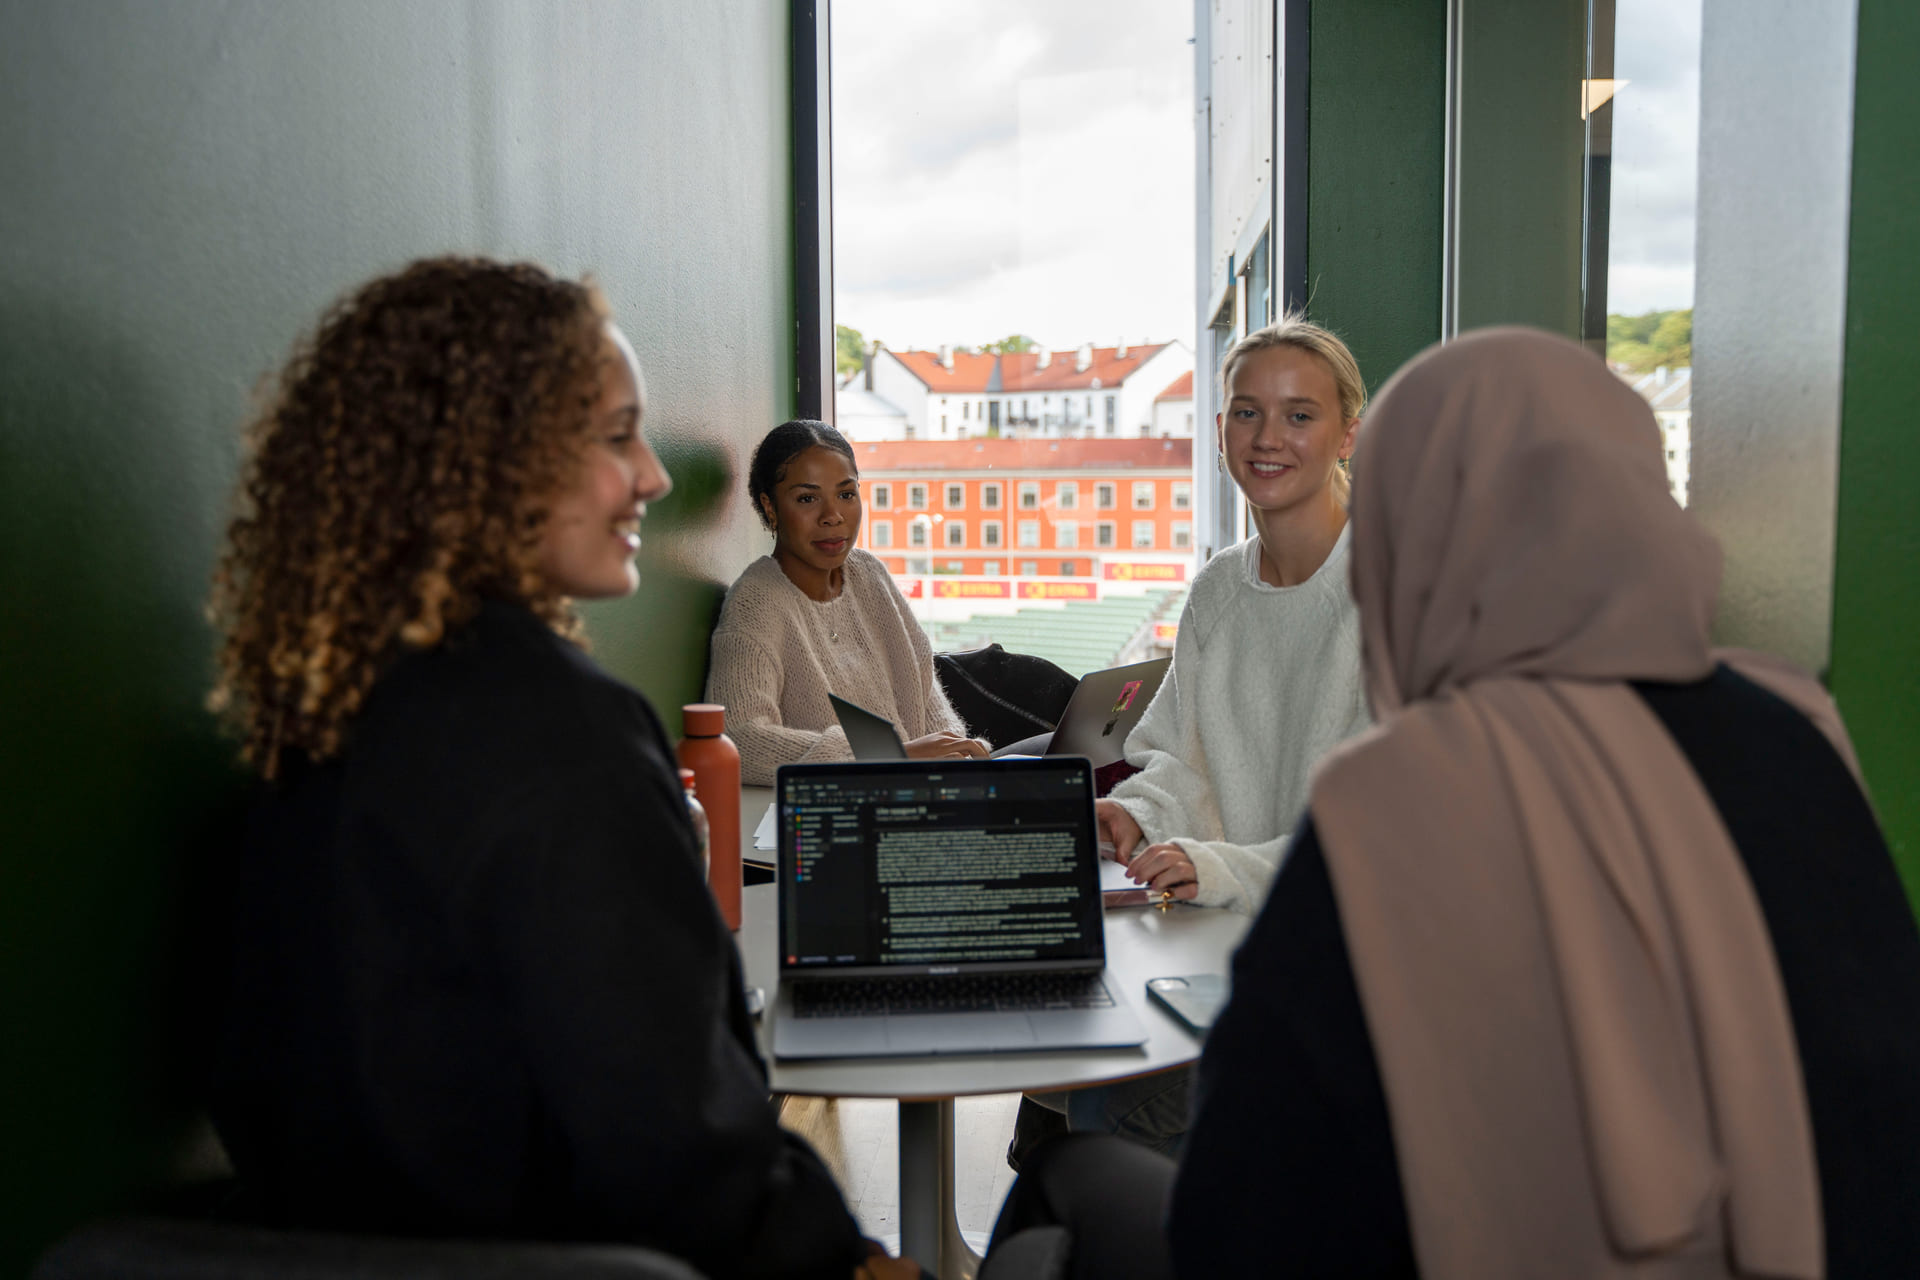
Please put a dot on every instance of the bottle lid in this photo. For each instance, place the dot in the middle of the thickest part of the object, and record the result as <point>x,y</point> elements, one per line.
<point>704,719</point>
<point>686,779</point>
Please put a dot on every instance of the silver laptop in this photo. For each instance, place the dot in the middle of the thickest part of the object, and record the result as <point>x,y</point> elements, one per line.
<point>932,906</point>
<point>869,736</point>
<point>1103,710</point>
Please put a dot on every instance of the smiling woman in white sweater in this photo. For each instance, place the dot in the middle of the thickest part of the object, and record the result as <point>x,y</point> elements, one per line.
<point>818,616</point>
<point>1266,671</point>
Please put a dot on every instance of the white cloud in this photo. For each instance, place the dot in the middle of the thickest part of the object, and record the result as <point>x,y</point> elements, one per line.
<point>1029,169</point>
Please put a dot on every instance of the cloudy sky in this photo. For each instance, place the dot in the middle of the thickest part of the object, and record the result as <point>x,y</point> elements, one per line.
<point>1026,166</point>
<point>1656,137</point>
<point>1007,166</point>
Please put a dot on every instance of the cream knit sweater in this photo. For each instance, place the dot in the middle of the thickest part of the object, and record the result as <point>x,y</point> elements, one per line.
<point>777,653</point>
<point>1265,680</point>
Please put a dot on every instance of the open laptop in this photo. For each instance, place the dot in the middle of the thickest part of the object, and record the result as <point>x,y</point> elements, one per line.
<point>932,906</point>
<point>1102,712</point>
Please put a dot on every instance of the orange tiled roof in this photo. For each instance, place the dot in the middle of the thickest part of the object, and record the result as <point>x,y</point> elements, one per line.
<point>1181,388</point>
<point>1132,453</point>
<point>972,373</point>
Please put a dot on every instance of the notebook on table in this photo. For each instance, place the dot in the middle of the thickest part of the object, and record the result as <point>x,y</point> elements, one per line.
<point>932,906</point>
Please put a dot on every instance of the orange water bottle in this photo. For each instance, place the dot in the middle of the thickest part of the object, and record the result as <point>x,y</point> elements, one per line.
<point>715,761</point>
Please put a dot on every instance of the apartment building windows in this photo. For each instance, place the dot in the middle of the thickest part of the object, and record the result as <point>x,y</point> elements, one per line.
<point>989,533</point>
<point>1029,495</point>
<point>1103,534</point>
<point>1029,533</point>
<point>1113,411</point>
<point>1029,568</point>
<point>882,497</point>
<point>1066,534</point>
<point>956,496</point>
<point>990,497</point>
<point>917,497</point>
<point>917,534</point>
<point>990,567</point>
<point>956,533</point>
<point>1143,495</point>
<point>1066,495</point>
<point>1183,495</point>
<point>1103,496</point>
<point>881,533</point>
<point>1182,535</point>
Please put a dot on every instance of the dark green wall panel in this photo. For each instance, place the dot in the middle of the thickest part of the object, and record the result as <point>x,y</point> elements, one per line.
<point>1521,163</point>
<point>1376,105</point>
<point>187,184</point>
<point>1876,607</point>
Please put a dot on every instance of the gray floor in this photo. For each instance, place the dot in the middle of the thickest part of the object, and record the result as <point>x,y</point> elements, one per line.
<point>859,1140</point>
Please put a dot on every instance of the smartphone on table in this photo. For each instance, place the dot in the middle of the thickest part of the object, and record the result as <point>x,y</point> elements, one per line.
<point>1194,999</point>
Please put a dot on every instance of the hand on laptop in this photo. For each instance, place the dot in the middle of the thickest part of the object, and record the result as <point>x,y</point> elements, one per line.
<point>1166,868</point>
<point>1118,829</point>
<point>935,746</point>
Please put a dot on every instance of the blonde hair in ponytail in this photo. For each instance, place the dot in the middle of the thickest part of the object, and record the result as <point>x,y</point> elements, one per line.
<point>1296,331</point>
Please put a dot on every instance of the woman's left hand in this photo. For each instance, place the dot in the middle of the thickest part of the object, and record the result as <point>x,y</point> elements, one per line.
<point>1166,868</point>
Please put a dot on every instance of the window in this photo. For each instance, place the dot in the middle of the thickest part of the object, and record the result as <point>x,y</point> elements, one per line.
<point>917,497</point>
<point>990,497</point>
<point>906,432</point>
<point>956,533</point>
<point>989,533</point>
<point>956,496</point>
<point>1143,495</point>
<point>990,568</point>
<point>917,534</point>
<point>1182,534</point>
<point>1066,568</point>
<point>1112,412</point>
<point>1103,496</point>
<point>1143,535</point>
<point>943,424</point>
<point>1066,495</point>
<point>881,531</point>
<point>919,564</point>
<point>1066,533</point>
<point>1029,568</point>
<point>966,412</point>
<point>1029,533</point>
<point>1029,495</point>
<point>1183,495</point>
<point>882,497</point>
<point>1103,534</point>
<point>954,566</point>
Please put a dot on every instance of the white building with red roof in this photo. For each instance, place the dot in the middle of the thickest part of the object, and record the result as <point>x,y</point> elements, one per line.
<point>957,394</point>
<point>1173,408</point>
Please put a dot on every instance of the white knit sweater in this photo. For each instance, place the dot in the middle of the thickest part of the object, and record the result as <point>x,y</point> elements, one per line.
<point>778,652</point>
<point>1265,680</point>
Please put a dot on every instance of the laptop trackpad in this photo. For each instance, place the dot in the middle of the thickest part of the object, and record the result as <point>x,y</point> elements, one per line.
<point>964,1033</point>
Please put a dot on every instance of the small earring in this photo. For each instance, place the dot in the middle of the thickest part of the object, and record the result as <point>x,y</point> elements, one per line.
<point>1219,464</point>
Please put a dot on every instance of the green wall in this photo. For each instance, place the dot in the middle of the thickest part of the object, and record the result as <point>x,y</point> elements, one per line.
<point>1875,672</point>
<point>187,185</point>
<point>1376,102</point>
<point>1521,163</point>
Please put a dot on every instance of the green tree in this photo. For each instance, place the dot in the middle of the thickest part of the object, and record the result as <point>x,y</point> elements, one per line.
<point>849,350</point>
<point>1657,339</point>
<point>1012,344</point>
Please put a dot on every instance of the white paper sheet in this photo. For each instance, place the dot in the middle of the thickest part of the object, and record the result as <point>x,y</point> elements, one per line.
<point>763,834</point>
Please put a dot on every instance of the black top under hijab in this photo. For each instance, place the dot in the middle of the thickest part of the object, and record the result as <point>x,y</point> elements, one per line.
<point>1290,1168</point>
<point>481,988</point>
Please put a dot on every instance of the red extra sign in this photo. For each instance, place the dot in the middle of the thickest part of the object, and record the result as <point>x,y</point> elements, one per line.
<point>1058,591</point>
<point>1130,571</point>
<point>992,589</point>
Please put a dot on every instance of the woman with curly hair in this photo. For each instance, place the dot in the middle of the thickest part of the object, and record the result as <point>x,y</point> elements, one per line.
<point>480,986</point>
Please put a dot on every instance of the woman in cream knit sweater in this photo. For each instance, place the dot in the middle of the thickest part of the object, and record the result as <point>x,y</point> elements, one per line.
<point>818,616</point>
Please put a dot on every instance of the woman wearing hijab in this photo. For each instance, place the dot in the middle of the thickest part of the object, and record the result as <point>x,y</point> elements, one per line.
<point>1589,960</point>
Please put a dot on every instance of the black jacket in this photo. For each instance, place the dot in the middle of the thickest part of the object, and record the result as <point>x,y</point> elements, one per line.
<point>1290,1159</point>
<point>481,988</point>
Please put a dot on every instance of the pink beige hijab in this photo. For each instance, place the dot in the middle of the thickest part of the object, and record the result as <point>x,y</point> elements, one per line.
<point>1578,1016</point>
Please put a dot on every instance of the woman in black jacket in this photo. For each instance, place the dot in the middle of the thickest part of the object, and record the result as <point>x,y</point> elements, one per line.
<point>480,986</point>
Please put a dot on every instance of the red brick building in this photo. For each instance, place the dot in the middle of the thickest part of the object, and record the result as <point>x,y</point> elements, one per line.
<point>1117,510</point>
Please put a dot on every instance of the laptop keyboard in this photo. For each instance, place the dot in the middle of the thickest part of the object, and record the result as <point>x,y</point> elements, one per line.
<point>970,993</point>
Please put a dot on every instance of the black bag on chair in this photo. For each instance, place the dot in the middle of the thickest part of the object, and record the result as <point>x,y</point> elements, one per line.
<point>1003,696</point>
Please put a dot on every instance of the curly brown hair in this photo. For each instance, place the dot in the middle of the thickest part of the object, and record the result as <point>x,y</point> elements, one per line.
<point>401,472</point>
